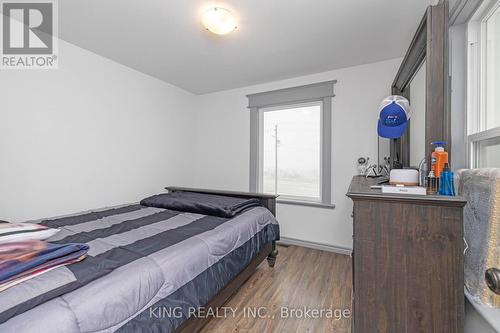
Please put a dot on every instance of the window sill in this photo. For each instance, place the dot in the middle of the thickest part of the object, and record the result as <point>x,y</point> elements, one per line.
<point>305,203</point>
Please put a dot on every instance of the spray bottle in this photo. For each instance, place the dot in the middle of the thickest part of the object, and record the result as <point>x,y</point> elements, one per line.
<point>446,182</point>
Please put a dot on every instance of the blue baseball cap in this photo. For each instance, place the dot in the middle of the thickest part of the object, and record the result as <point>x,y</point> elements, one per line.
<point>394,117</point>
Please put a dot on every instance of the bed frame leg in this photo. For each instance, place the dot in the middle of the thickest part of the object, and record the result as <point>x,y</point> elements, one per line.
<point>271,258</point>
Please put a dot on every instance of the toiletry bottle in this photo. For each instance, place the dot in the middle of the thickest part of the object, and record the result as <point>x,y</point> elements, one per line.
<point>439,157</point>
<point>446,182</point>
<point>422,173</point>
<point>432,183</point>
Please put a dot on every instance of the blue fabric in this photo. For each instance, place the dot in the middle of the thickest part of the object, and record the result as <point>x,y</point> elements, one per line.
<point>59,252</point>
<point>392,121</point>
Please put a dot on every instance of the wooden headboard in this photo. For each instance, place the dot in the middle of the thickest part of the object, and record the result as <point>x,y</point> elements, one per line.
<point>267,200</point>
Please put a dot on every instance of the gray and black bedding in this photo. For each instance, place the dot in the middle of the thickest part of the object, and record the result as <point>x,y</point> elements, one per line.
<point>169,254</point>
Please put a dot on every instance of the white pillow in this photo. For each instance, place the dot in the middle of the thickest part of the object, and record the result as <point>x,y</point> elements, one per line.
<point>18,232</point>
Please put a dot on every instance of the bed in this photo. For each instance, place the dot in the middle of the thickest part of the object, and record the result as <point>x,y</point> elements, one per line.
<point>149,269</point>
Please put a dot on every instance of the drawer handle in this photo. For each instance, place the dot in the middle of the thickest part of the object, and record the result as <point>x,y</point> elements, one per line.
<point>492,277</point>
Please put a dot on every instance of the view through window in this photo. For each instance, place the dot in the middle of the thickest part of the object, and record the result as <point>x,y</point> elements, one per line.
<point>291,161</point>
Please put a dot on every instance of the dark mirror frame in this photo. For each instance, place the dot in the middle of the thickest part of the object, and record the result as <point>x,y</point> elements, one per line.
<point>429,44</point>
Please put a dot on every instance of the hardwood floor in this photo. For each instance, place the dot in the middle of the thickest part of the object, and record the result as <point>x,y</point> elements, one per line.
<point>301,278</point>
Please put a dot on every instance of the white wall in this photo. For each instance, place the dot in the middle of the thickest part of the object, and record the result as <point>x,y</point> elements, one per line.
<point>223,124</point>
<point>474,322</point>
<point>458,99</point>
<point>90,134</point>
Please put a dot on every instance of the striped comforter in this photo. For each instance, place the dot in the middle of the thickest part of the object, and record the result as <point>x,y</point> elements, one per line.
<point>141,259</point>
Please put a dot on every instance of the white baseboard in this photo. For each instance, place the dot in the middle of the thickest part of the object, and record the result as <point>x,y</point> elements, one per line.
<point>315,246</point>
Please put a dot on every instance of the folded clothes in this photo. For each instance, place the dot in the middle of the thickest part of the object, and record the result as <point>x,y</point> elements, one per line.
<point>13,232</point>
<point>33,273</point>
<point>24,258</point>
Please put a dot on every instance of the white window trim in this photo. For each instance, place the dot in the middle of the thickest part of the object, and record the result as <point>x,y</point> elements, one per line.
<point>475,139</point>
<point>476,82</point>
<point>314,93</point>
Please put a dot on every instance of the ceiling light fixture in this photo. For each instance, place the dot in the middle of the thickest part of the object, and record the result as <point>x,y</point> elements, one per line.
<point>219,20</point>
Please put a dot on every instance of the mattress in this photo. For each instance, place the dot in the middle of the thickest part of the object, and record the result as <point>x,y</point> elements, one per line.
<point>147,269</point>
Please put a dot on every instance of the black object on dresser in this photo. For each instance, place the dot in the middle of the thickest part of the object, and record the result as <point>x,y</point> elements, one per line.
<point>407,261</point>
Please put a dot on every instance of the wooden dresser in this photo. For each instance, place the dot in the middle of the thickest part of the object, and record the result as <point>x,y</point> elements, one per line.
<point>407,261</point>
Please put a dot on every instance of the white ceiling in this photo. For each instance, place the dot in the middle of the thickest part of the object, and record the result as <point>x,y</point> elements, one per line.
<point>275,39</point>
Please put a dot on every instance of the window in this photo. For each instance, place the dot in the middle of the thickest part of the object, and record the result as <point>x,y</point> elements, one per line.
<point>291,161</point>
<point>290,152</point>
<point>492,69</point>
<point>483,116</point>
<point>490,152</point>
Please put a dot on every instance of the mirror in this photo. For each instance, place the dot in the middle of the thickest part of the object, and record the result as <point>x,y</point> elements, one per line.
<point>415,134</point>
<point>417,120</point>
<point>423,79</point>
<point>411,83</point>
<point>384,153</point>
